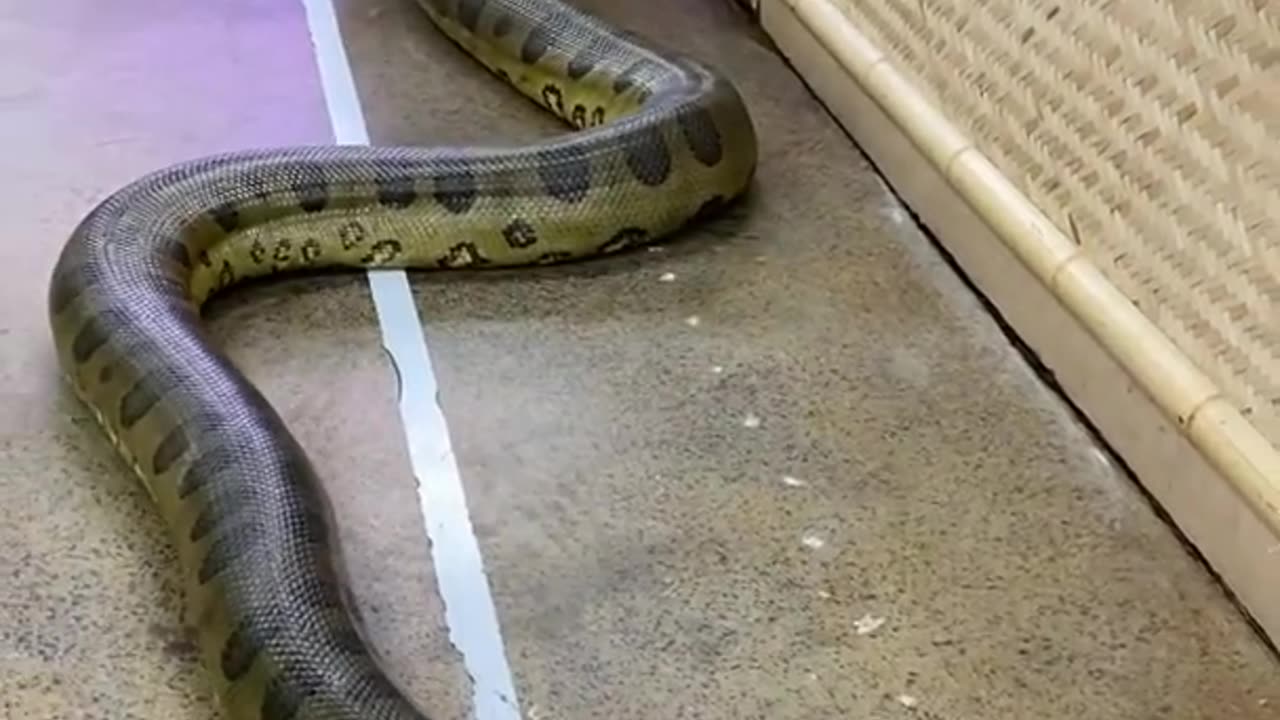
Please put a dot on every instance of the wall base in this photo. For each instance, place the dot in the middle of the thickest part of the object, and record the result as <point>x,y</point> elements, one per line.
<point>1201,502</point>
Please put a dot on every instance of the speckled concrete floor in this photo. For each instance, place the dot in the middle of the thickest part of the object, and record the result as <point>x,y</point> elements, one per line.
<point>647,549</point>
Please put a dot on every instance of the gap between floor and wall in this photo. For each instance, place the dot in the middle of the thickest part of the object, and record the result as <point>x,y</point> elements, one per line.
<point>1171,474</point>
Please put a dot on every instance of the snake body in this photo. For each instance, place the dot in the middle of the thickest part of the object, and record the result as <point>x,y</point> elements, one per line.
<point>661,140</point>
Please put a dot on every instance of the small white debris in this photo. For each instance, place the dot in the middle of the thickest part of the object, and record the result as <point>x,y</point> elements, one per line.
<point>1101,457</point>
<point>667,277</point>
<point>655,248</point>
<point>896,214</point>
<point>867,624</point>
<point>824,594</point>
<point>790,481</point>
<point>717,369</point>
<point>908,701</point>
<point>751,421</point>
<point>813,541</point>
<point>692,321</point>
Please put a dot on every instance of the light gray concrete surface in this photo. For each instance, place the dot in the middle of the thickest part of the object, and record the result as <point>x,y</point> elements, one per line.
<point>914,516</point>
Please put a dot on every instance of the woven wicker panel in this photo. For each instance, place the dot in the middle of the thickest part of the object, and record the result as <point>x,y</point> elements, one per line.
<point>1148,131</point>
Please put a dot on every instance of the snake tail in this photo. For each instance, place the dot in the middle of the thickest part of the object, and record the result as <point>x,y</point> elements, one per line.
<point>657,140</point>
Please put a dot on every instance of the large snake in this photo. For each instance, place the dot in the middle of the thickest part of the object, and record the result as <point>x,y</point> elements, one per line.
<point>662,140</point>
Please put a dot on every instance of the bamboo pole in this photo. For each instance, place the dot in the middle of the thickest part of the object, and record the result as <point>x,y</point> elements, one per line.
<point>1187,397</point>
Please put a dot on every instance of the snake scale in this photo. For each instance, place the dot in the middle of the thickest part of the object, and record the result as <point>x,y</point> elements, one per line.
<point>660,140</point>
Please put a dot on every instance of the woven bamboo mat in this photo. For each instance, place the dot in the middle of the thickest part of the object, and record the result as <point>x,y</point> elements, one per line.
<point>1148,131</point>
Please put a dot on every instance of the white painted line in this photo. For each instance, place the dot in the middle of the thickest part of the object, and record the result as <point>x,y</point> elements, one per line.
<point>460,576</point>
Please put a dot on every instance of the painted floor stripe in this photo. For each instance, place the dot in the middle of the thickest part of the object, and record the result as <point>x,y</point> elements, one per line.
<point>464,587</point>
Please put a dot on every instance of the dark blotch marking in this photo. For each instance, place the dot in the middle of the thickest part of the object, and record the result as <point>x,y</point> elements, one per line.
<point>226,216</point>
<point>597,116</point>
<point>311,250</point>
<point>565,173</point>
<point>555,256</point>
<point>396,192</point>
<point>63,291</point>
<point>178,253</point>
<point>648,157</point>
<point>456,189</point>
<point>622,83</point>
<point>208,465</point>
<point>536,43</point>
<point>312,191</point>
<point>257,251</point>
<point>222,552</point>
<point>709,209</point>
<point>138,402</point>
<point>279,702</point>
<point>352,234</point>
<point>238,653</point>
<point>553,98</point>
<point>584,62</point>
<point>625,238</point>
<point>469,13</point>
<point>105,374</point>
<point>700,132</point>
<point>191,480</point>
<point>579,117</point>
<point>630,76</point>
<point>91,337</point>
<point>462,255</point>
<point>226,276</point>
<point>171,448</point>
<point>519,234</point>
<point>383,251</point>
<point>204,259</point>
<point>204,523</point>
<point>284,249</point>
<point>502,27</point>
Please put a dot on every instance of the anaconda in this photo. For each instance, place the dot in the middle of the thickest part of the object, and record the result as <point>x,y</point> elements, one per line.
<point>659,140</point>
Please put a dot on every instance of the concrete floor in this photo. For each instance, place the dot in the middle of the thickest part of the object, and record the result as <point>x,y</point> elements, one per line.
<point>644,549</point>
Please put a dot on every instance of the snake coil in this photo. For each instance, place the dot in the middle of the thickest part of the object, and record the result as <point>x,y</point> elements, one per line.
<point>661,140</point>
